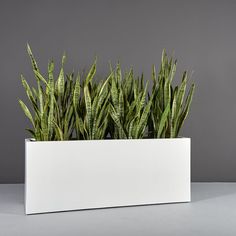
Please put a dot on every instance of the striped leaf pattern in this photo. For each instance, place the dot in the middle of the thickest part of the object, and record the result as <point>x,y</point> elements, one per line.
<point>66,107</point>
<point>168,110</point>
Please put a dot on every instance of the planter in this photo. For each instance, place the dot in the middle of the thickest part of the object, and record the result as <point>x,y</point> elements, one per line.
<point>73,175</point>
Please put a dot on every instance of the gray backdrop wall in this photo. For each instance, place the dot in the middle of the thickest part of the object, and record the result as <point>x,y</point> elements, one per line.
<point>201,33</point>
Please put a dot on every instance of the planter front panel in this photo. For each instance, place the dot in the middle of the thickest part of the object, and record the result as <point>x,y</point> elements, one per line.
<point>72,175</point>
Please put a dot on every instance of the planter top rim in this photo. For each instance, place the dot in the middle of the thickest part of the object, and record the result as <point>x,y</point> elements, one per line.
<point>110,140</point>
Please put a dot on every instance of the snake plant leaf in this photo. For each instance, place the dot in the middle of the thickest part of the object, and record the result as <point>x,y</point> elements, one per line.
<point>35,68</point>
<point>187,107</point>
<point>103,111</point>
<point>61,83</point>
<point>135,89</point>
<point>88,110</point>
<point>105,84</point>
<point>41,78</point>
<point>100,133</point>
<point>103,128</point>
<point>68,120</point>
<point>154,123</point>
<point>131,127</point>
<point>181,92</point>
<point>129,83</point>
<point>169,65</point>
<point>142,82</point>
<point>133,132</point>
<point>61,80</point>
<point>63,60</point>
<point>59,132</point>
<point>30,96</point>
<point>167,93</point>
<point>58,113</point>
<point>85,125</point>
<point>143,120</point>
<point>114,94</point>
<point>51,86</point>
<point>121,104</point>
<point>116,120</point>
<point>154,77</point>
<point>160,93</point>
<point>94,117</point>
<point>27,89</point>
<point>31,132</point>
<point>56,94</point>
<point>143,99</point>
<point>35,93</point>
<point>173,71</point>
<point>91,73</point>
<point>110,67</point>
<point>164,119</point>
<point>95,105</point>
<point>76,93</point>
<point>38,136</point>
<point>163,60</point>
<point>173,114</point>
<point>81,125</point>
<point>27,112</point>
<point>44,125</point>
<point>118,75</point>
<point>33,61</point>
<point>133,106</point>
<point>40,90</point>
<point>77,128</point>
<point>102,96</point>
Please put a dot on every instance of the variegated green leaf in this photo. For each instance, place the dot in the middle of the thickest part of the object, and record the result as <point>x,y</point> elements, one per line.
<point>59,132</point>
<point>91,73</point>
<point>26,111</point>
<point>116,120</point>
<point>187,107</point>
<point>164,119</point>
<point>51,86</point>
<point>33,61</point>
<point>88,110</point>
<point>76,93</point>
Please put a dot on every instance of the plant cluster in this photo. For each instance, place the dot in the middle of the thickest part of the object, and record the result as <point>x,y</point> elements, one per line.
<point>120,107</point>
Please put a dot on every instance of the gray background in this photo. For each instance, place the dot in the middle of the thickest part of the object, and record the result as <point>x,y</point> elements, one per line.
<point>201,33</point>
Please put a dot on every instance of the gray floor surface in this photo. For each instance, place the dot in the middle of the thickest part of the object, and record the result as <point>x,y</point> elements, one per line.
<point>211,212</point>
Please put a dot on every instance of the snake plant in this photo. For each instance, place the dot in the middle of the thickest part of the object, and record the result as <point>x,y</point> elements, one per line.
<point>66,106</point>
<point>91,109</point>
<point>169,109</point>
<point>51,103</point>
<point>128,107</point>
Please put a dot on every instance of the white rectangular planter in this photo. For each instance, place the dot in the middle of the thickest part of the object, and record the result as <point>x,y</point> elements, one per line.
<point>72,175</point>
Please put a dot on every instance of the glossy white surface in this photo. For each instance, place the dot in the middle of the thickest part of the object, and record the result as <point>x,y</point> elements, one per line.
<point>71,175</point>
